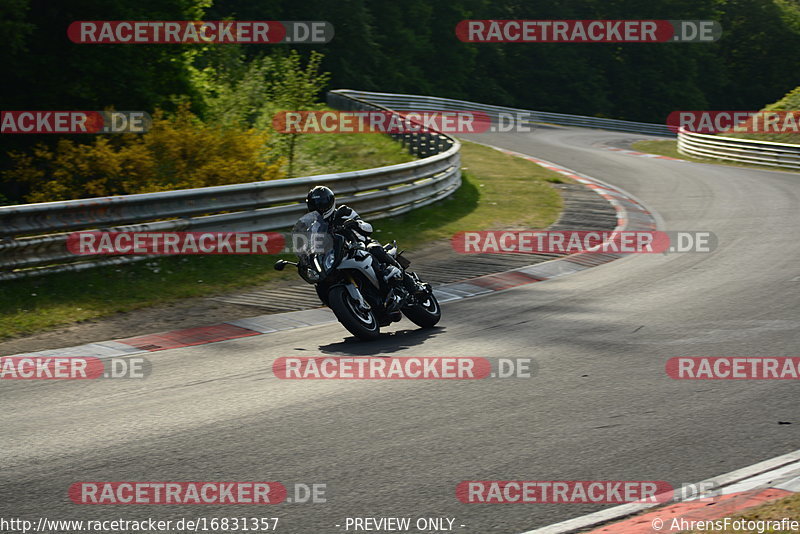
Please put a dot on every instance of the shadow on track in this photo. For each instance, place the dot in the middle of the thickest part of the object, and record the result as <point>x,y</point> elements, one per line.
<point>388,343</point>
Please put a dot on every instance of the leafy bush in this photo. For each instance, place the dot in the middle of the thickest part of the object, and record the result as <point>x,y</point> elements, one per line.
<point>235,91</point>
<point>178,152</point>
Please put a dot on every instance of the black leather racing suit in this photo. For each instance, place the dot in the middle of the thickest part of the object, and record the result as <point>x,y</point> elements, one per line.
<point>345,220</point>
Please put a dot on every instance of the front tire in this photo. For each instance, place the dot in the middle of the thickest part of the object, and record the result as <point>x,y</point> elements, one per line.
<point>426,313</point>
<point>360,323</point>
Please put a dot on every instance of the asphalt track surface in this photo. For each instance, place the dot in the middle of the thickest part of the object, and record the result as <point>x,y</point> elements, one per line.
<point>600,407</point>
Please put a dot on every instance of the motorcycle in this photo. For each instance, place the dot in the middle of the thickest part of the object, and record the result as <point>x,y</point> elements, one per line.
<point>348,280</point>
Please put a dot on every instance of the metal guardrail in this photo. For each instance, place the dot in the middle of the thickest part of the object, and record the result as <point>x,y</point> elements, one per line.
<point>419,144</point>
<point>780,155</point>
<point>767,153</point>
<point>400,102</point>
<point>33,236</point>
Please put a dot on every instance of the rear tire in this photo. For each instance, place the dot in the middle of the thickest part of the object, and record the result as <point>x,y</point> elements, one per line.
<point>361,324</point>
<point>425,314</point>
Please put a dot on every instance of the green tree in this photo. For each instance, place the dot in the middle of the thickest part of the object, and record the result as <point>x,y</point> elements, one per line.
<point>292,86</point>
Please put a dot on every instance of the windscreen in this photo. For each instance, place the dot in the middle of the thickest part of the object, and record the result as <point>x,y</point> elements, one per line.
<point>310,236</point>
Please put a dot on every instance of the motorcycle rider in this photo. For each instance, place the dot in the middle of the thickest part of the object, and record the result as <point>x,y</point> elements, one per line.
<point>345,220</point>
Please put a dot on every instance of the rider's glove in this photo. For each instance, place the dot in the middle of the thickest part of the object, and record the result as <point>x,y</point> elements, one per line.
<point>350,224</point>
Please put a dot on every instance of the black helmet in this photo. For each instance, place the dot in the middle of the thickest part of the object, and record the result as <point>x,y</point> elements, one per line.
<point>322,200</point>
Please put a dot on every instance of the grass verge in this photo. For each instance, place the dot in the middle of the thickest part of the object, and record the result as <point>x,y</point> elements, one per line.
<point>326,153</point>
<point>788,507</point>
<point>669,148</point>
<point>498,191</point>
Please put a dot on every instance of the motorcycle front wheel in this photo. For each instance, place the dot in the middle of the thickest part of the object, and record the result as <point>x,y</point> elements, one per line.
<point>359,322</point>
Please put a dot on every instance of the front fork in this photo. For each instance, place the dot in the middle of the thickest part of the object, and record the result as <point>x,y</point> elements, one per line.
<point>352,289</point>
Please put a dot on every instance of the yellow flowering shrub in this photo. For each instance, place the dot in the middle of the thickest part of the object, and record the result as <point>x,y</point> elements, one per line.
<point>178,152</point>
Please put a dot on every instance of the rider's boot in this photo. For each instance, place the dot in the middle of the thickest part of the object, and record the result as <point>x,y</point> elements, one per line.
<point>393,276</point>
